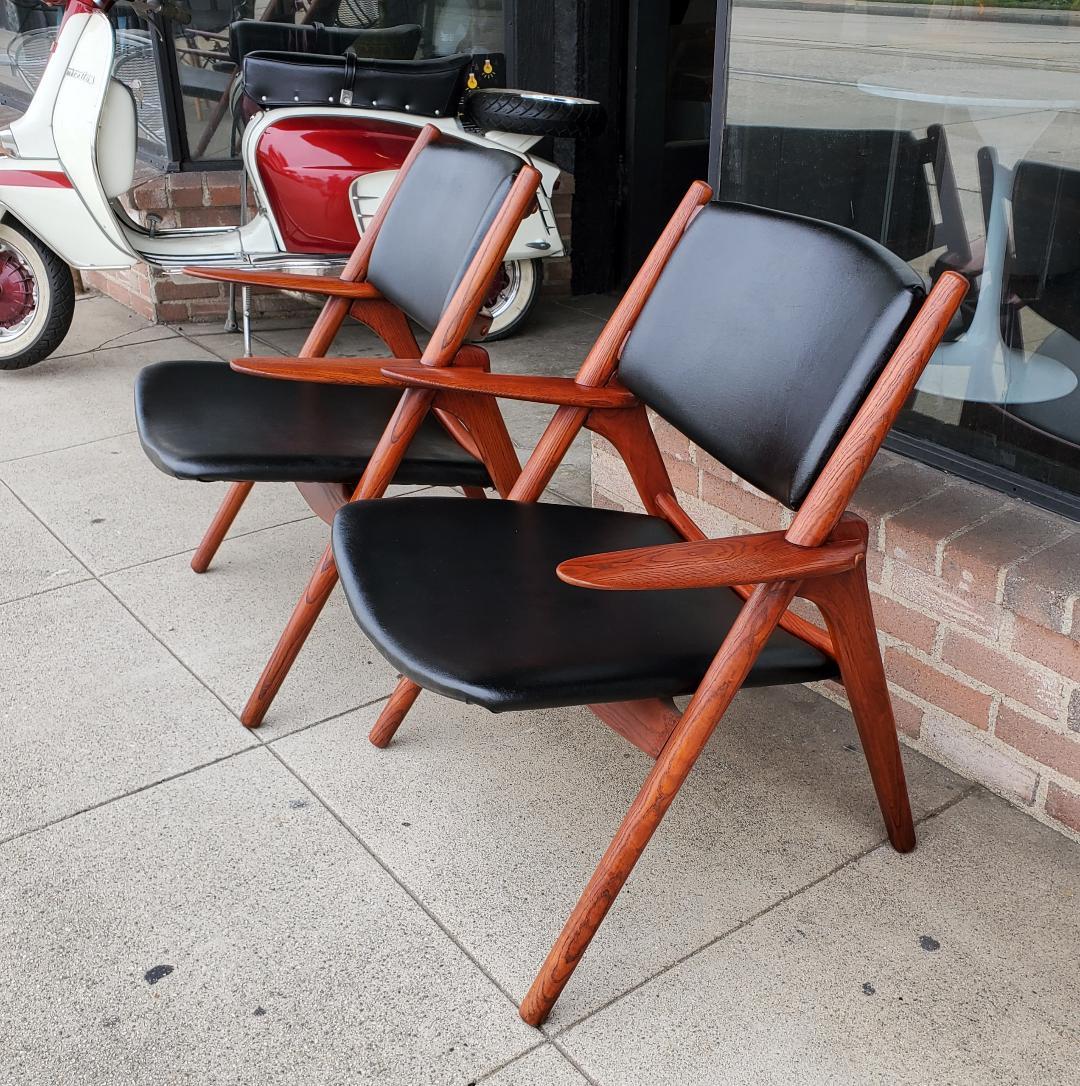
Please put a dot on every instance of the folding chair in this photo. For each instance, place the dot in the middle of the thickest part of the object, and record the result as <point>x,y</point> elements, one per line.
<point>429,254</point>
<point>784,347</point>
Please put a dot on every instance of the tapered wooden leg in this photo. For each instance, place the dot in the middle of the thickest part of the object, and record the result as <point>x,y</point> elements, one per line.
<point>394,712</point>
<point>221,523</point>
<point>844,602</point>
<point>406,420</point>
<point>473,492</point>
<point>722,681</point>
<point>307,610</point>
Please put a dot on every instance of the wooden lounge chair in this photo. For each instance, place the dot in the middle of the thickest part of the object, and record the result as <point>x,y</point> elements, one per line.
<point>429,255</point>
<point>782,346</point>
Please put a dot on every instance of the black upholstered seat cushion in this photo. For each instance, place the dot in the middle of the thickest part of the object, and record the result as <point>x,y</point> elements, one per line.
<point>462,597</point>
<point>202,420</point>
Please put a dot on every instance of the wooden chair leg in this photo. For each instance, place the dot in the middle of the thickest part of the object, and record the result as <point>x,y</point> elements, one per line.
<point>722,681</point>
<point>473,492</point>
<point>307,610</point>
<point>844,602</point>
<point>221,523</point>
<point>394,712</point>
<point>406,420</point>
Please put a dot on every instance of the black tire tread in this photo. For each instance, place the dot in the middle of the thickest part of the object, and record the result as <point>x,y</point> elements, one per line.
<point>511,111</point>
<point>62,306</point>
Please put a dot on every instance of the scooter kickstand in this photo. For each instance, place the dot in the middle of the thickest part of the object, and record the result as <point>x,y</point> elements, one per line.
<point>245,317</point>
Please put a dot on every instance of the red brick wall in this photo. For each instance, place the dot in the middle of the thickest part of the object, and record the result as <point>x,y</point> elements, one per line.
<point>213,199</point>
<point>977,598</point>
<point>192,200</point>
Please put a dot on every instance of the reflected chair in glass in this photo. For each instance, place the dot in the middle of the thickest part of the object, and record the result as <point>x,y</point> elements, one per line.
<point>874,181</point>
<point>782,346</point>
<point>429,256</point>
<point>1042,275</point>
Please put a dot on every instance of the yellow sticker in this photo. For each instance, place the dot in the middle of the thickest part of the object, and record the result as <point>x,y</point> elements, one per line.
<point>489,71</point>
<point>472,84</point>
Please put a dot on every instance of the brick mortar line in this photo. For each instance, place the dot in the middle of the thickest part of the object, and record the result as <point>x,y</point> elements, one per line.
<point>753,918</point>
<point>945,540</point>
<point>943,667</point>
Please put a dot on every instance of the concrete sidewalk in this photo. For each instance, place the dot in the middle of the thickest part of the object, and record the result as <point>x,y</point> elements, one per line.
<point>184,901</point>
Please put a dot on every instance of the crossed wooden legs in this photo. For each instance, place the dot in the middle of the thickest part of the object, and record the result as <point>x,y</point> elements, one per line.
<point>844,600</point>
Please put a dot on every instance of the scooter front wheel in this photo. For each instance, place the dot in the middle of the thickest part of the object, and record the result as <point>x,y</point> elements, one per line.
<point>37,298</point>
<point>513,294</point>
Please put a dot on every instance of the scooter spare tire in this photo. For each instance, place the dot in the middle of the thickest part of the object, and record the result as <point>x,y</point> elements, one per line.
<point>533,114</point>
<point>37,298</point>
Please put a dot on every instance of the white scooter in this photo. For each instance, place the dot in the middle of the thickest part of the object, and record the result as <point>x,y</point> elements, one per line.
<point>317,173</point>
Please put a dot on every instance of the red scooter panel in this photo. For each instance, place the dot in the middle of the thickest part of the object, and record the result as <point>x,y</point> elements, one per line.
<point>307,165</point>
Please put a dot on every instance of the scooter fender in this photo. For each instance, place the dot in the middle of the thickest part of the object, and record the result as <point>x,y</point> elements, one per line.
<point>39,194</point>
<point>536,237</point>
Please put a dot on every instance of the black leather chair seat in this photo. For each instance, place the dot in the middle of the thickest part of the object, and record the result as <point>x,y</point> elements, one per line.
<point>462,597</point>
<point>202,420</point>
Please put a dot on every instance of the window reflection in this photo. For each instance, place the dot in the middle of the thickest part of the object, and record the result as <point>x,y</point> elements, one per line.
<point>207,66</point>
<point>953,141</point>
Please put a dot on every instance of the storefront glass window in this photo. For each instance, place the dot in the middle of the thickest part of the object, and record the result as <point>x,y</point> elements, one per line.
<point>28,30</point>
<point>207,74</point>
<point>951,133</point>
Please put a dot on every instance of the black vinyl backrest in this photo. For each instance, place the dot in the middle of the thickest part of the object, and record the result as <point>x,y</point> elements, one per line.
<point>435,225</point>
<point>763,336</point>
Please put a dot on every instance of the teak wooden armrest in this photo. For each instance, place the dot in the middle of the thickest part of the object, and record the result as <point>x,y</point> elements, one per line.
<point>326,371</point>
<point>712,563</point>
<point>562,391</point>
<point>329,286</point>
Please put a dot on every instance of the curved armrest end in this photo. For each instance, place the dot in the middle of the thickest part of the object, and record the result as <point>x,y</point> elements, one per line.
<point>711,563</point>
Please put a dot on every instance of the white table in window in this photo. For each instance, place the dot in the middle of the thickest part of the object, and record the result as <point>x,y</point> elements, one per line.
<point>979,366</point>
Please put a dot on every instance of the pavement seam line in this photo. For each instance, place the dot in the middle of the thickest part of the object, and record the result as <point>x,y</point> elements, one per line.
<point>484,1075</point>
<point>561,1049</point>
<point>97,578</point>
<point>126,795</point>
<point>396,878</point>
<point>67,448</point>
<point>754,917</point>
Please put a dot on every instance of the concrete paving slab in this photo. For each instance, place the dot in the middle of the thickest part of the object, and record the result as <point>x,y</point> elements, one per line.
<point>32,559</point>
<point>353,339</point>
<point>224,624</point>
<point>93,707</point>
<point>545,1066</point>
<point>100,322</point>
<point>114,509</point>
<point>224,929</point>
<point>955,964</point>
<point>63,402</point>
<point>498,821</point>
